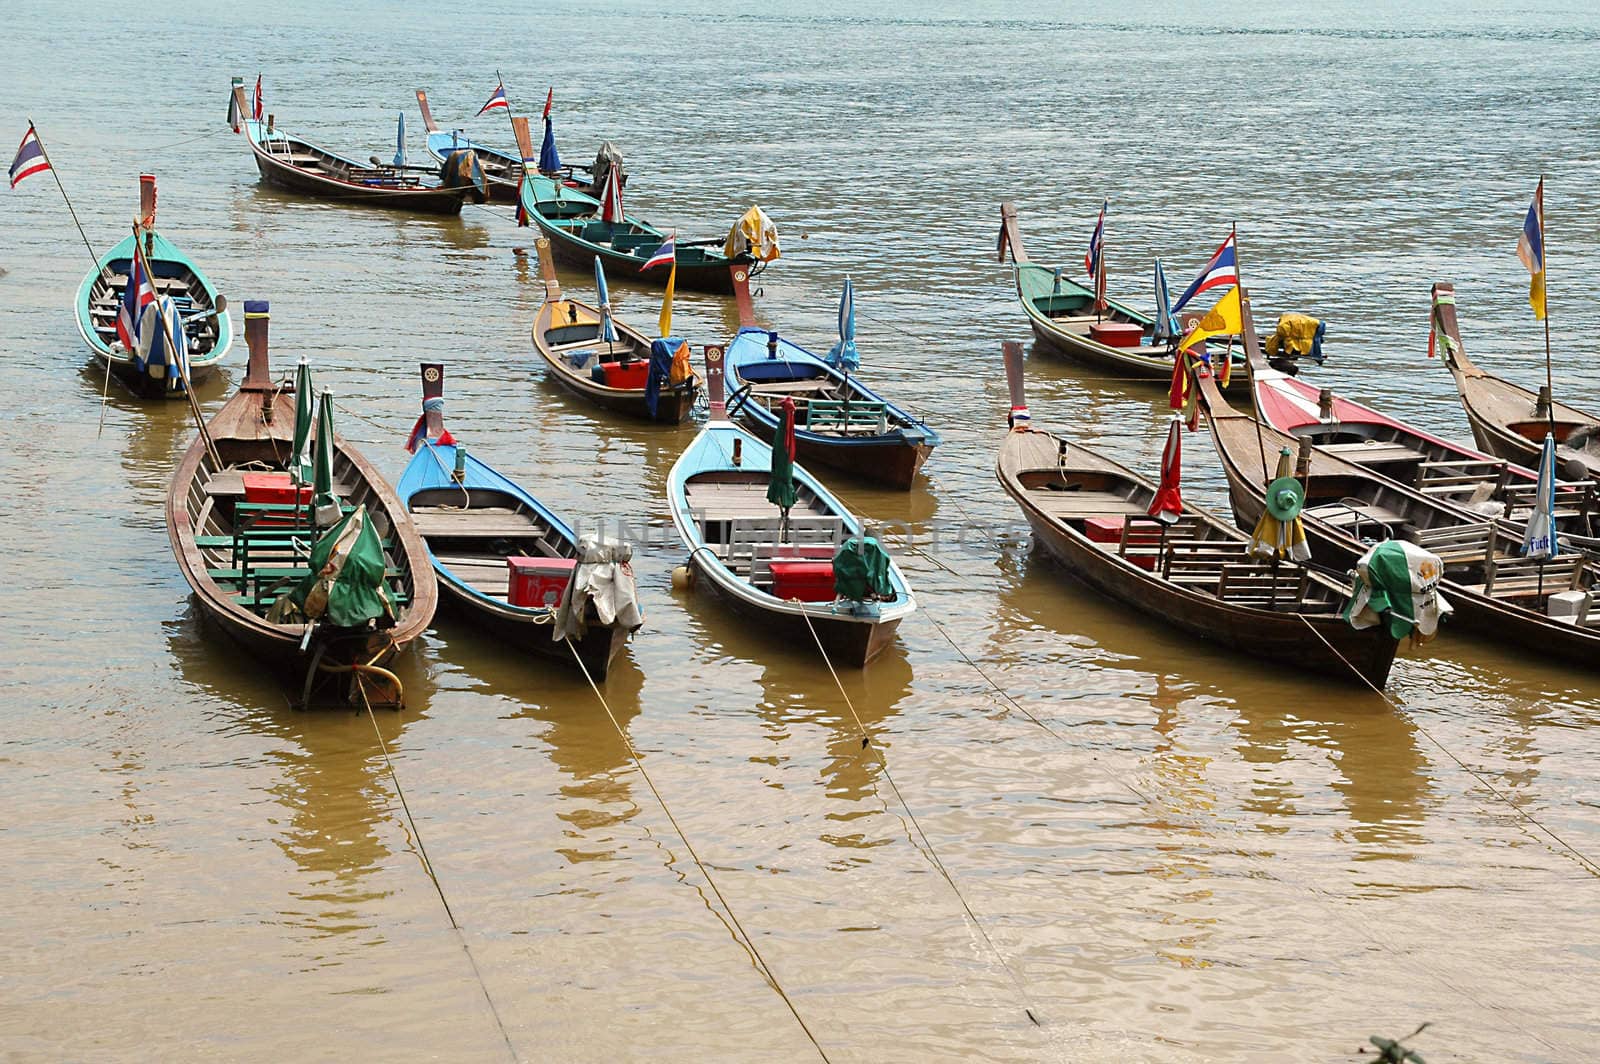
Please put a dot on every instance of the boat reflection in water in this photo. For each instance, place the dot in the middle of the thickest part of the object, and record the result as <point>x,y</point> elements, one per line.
<point>330,777</point>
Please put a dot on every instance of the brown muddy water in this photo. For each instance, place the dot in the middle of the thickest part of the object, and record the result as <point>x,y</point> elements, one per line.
<point>1201,859</point>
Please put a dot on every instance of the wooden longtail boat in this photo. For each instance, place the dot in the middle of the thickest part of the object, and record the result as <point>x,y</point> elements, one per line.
<point>288,162</point>
<point>502,168</point>
<point>1511,421</point>
<point>1196,575</point>
<point>717,493</point>
<point>474,523</point>
<point>237,556</point>
<point>1064,321</point>
<point>1348,507</point>
<point>571,219</point>
<point>840,422</point>
<point>567,335</point>
<point>1431,464</point>
<point>207,331</point>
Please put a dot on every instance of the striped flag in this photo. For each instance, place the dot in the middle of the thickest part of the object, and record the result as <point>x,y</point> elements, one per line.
<point>135,298</point>
<point>30,158</point>
<point>258,106</point>
<point>663,255</point>
<point>1091,259</point>
<point>497,101</point>
<point>1530,249</point>
<point>1223,269</point>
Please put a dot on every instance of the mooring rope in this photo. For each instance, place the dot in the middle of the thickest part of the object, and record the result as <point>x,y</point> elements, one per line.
<point>748,943</point>
<point>926,848</point>
<point>427,867</point>
<point>1588,863</point>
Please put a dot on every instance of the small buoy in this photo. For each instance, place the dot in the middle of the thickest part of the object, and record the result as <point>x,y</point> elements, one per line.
<point>682,578</point>
<point>520,253</point>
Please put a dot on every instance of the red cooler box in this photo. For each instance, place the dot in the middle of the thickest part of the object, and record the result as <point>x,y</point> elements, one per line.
<point>803,579</point>
<point>1116,333</point>
<point>626,375</point>
<point>539,581</point>
<point>1108,530</point>
<point>274,487</point>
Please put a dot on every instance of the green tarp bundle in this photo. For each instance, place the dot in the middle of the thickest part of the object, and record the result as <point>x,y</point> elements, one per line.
<point>346,586</point>
<point>861,571</point>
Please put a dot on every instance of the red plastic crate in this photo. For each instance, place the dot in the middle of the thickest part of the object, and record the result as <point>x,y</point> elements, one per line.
<point>538,581</point>
<point>274,487</point>
<point>626,375</point>
<point>1116,333</point>
<point>803,579</point>
<point>1108,530</point>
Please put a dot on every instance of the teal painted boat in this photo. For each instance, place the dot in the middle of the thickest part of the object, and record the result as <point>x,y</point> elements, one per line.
<point>571,219</point>
<point>154,372</point>
<point>1064,321</point>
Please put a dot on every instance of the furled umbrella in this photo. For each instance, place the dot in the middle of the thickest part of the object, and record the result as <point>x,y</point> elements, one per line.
<point>1539,539</point>
<point>1167,506</point>
<point>549,158</point>
<point>324,506</point>
<point>400,141</point>
<point>300,471</point>
<point>608,329</point>
<point>611,198</point>
<point>1279,533</point>
<point>1166,326</point>
<point>782,491</point>
<point>844,354</point>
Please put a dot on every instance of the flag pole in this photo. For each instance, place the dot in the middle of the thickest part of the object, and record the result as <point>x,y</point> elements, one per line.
<point>1544,263</point>
<point>1249,363</point>
<point>105,386</point>
<point>523,162</point>
<point>183,358</point>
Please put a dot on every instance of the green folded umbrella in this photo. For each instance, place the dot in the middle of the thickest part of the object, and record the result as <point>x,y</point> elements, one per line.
<point>300,458</point>
<point>324,507</point>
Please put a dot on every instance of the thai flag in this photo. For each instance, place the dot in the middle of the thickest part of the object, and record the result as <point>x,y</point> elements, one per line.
<point>1530,249</point>
<point>135,298</point>
<point>664,255</point>
<point>1091,261</point>
<point>497,101</point>
<point>258,107</point>
<point>30,158</point>
<point>1223,269</point>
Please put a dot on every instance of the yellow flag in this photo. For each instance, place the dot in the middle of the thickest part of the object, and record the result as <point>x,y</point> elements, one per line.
<point>1224,319</point>
<point>666,302</point>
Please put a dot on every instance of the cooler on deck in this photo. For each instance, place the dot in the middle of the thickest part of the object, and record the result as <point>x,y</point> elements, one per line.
<point>803,578</point>
<point>1116,333</point>
<point>538,581</point>
<point>1108,530</point>
<point>274,488</point>
<point>622,374</point>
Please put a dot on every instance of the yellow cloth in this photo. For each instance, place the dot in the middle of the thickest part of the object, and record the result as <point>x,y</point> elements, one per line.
<point>1294,335</point>
<point>755,233</point>
<point>666,302</point>
<point>1224,319</point>
<point>1272,538</point>
<point>1536,294</point>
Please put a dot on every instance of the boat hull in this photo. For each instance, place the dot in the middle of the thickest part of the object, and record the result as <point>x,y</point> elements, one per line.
<point>847,641</point>
<point>423,200</point>
<point>1348,655</point>
<point>712,276</point>
<point>893,462</point>
<point>526,631</point>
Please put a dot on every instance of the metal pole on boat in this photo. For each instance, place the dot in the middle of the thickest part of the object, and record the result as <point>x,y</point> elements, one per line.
<point>1247,324</point>
<point>183,360</point>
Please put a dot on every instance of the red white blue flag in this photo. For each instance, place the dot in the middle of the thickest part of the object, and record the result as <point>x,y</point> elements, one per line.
<point>611,198</point>
<point>135,298</point>
<point>664,255</point>
<point>30,158</point>
<point>258,106</point>
<point>1091,260</point>
<point>1222,270</point>
<point>497,101</point>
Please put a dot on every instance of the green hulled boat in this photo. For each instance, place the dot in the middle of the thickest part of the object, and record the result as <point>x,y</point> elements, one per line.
<point>572,221</point>
<point>157,368</point>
